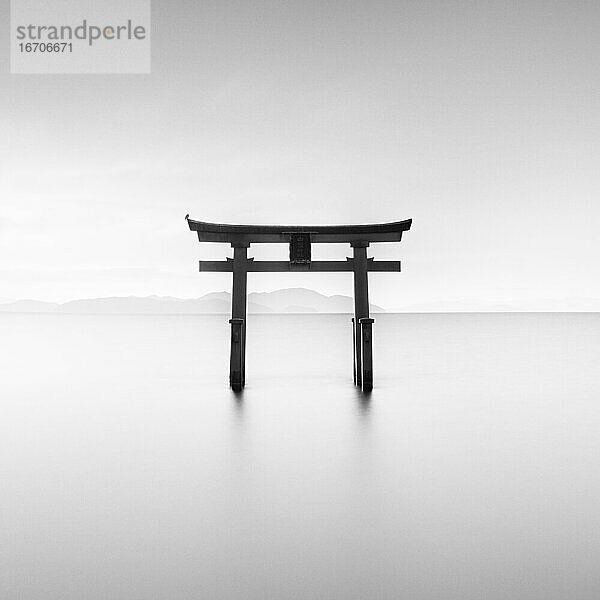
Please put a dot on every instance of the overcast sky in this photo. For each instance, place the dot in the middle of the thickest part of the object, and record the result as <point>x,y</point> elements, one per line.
<point>480,120</point>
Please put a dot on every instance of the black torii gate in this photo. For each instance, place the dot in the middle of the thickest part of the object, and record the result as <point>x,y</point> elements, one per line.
<point>300,238</point>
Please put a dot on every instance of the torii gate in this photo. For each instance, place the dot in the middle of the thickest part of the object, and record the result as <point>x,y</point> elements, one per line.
<point>300,238</point>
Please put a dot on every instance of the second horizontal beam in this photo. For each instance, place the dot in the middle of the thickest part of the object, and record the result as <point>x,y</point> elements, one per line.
<point>317,266</point>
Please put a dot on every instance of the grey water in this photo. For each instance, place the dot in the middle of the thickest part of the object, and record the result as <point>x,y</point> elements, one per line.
<point>130,471</point>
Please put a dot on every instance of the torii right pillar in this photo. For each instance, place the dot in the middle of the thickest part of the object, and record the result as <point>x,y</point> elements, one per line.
<point>362,324</point>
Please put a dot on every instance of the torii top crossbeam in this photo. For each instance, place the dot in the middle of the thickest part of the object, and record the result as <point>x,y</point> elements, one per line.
<point>256,234</point>
<point>300,238</point>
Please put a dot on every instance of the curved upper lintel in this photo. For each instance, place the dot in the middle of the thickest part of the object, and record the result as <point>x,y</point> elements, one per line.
<point>226,233</point>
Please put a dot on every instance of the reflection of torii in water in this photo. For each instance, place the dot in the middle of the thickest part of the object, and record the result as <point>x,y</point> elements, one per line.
<point>300,238</point>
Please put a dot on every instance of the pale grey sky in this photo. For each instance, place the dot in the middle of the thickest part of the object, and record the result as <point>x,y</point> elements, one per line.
<point>480,120</point>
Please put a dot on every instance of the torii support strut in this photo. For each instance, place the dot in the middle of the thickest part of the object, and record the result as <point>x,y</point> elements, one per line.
<point>300,239</point>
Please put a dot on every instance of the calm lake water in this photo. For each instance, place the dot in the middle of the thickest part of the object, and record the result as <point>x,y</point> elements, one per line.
<point>130,471</point>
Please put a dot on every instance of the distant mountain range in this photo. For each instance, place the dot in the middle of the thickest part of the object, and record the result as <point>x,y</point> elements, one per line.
<point>292,300</point>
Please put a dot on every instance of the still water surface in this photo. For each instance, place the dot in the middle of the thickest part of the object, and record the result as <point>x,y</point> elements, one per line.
<point>130,471</point>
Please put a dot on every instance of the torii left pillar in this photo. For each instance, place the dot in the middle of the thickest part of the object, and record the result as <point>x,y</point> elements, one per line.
<point>362,324</point>
<point>237,361</point>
